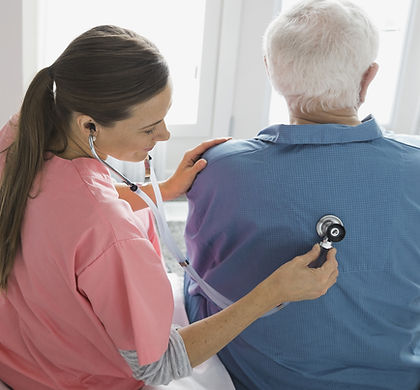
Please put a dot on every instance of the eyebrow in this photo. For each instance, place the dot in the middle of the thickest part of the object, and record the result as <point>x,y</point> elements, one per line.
<point>152,124</point>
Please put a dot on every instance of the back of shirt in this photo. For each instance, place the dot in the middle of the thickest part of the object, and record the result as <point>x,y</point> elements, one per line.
<point>256,206</point>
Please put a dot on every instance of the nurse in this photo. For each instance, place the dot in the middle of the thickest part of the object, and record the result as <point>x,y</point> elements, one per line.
<point>85,301</point>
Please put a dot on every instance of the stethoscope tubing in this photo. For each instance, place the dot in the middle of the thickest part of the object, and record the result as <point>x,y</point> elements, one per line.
<point>159,213</point>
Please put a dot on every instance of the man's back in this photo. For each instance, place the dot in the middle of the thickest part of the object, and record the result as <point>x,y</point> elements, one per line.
<point>255,207</point>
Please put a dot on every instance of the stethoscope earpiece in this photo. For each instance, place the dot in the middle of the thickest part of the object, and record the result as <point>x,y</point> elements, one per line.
<point>91,126</point>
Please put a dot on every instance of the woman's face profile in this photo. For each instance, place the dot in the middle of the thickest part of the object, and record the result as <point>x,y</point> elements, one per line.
<point>133,138</point>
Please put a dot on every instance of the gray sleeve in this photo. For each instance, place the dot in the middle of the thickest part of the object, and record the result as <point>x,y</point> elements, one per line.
<point>173,364</point>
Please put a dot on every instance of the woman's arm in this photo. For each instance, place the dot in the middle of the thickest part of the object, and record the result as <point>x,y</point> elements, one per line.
<point>293,281</point>
<point>179,183</point>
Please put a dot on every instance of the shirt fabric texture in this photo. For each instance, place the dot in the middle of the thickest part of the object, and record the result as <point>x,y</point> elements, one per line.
<point>256,206</point>
<point>174,364</point>
<point>87,283</point>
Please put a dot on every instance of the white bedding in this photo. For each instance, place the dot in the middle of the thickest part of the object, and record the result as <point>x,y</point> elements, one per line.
<point>211,375</point>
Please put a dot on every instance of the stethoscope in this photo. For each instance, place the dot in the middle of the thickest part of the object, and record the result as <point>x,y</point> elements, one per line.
<point>164,231</point>
<point>327,229</point>
<point>330,229</point>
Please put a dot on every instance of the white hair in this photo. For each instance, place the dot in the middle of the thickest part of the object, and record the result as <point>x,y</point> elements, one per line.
<point>318,51</point>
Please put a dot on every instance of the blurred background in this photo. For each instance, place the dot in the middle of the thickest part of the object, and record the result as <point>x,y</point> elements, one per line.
<point>213,48</point>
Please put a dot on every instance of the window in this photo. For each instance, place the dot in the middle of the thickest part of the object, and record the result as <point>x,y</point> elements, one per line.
<point>177,34</point>
<point>180,29</point>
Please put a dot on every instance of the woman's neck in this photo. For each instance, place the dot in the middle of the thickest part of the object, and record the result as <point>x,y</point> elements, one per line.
<point>75,148</point>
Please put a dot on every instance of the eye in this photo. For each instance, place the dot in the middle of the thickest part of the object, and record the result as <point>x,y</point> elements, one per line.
<point>150,131</point>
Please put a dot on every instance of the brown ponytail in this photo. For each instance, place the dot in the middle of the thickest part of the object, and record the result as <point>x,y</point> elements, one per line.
<point>24,160</point>
<point>103,73</point>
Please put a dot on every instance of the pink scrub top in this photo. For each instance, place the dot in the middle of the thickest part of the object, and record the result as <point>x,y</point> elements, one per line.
<point>87,282</point>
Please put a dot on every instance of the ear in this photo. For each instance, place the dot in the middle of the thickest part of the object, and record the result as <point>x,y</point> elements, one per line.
<point>84,124</point>
<point>266,67</point>
<point>367,78</point>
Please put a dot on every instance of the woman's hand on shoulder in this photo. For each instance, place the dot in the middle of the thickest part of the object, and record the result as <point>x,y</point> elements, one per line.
<point>191,164</point>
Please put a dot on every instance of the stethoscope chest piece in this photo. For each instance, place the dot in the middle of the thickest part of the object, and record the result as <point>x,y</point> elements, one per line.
<point>330,229</point>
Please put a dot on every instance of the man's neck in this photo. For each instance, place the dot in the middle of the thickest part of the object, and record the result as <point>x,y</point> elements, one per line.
<point>344,116</point>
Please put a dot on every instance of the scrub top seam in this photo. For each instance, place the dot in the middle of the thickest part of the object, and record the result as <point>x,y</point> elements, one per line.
<point>109,247</point>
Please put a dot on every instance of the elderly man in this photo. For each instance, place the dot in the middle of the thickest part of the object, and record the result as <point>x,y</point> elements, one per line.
<point>258,201</point>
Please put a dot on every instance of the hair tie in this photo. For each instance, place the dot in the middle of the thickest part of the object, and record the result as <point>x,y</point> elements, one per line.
<point>54,85</point>
<point>51,72</point>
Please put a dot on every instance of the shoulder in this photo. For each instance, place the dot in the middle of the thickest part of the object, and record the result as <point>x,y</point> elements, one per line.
<point>226,164</point>
<point>406,148</point>
<point>82,193</point>
<point>405,140</point>
<point>10,128</point>
<point>233,149</point>
<point>7,136</point>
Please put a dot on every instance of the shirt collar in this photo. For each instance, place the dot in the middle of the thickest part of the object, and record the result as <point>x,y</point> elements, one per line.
<point>322,134</point>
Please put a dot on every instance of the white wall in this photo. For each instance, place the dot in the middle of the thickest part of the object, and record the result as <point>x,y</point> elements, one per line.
<point>11,72</point>
<point>406,113</point>
<point>252,93</point>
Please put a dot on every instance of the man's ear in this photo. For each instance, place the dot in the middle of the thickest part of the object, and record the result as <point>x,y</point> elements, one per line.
<point>367,78</point>
<point>266,67</point>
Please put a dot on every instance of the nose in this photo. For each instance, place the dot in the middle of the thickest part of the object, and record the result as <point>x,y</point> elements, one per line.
<point>163,133</point>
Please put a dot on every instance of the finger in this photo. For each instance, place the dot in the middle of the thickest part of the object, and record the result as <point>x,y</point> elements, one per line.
<point>199,165</point>
<point>200,149</point>
<point>332,279</point>
<point>331,263</point>
<point>310,256</point>
<point>329,281</point>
